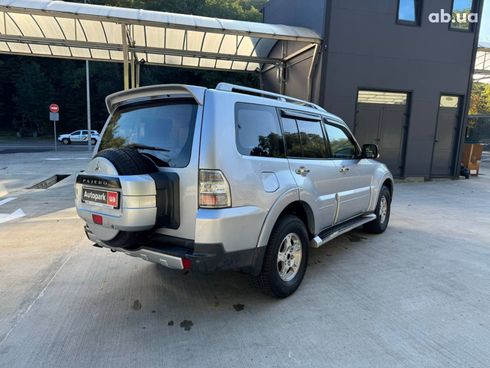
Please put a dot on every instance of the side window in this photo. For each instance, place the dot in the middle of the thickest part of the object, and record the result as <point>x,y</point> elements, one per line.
<point>304,138</point>
<point>76,132</point>
<point>291,136</point>
<point>312,139</point>
<point>409,12</point>
<point>461,15</point>
<point>257,131</point>
<point>341,145</point>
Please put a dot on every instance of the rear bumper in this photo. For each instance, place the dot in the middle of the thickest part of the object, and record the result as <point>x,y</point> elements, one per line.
<point>177,253</point>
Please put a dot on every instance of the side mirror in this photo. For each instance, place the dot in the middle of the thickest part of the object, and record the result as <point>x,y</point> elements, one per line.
<point>370,151</point>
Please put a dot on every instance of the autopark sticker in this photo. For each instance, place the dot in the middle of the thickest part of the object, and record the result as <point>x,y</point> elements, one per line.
<point>101,196</point>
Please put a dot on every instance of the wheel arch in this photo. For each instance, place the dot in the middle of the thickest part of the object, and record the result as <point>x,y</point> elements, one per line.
<point>290,204</point>
<point>388,182</point>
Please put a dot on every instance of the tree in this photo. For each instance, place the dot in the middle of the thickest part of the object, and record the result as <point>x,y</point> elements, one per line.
<point>33,93</point>
<point>29,85</point>
<point>480,99</point>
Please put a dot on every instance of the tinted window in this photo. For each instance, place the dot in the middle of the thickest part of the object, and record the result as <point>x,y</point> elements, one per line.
<point>257,131</point>
<point>340,144</point>
<point>166,127</point>
<point>76,133</point>
<point>304,138</point>
<point>291,136</point>
<point>408,11</point>
<point>460,13</point>
<point>312,139</point>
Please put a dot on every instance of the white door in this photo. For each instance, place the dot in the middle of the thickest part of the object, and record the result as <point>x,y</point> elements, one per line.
<point>75,136</point>
<point>84,136</point>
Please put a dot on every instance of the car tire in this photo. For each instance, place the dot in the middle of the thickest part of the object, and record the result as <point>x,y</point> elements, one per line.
<point>93,141</point>
<point>128,162</point>
<point>66,141</point>
<point>282,272</point>
<point>382,212</point>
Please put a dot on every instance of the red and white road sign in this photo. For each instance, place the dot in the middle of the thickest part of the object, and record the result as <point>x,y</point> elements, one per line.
<point>54,108</point>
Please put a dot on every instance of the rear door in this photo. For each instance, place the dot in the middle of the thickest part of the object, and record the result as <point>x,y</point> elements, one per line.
<point>308,160</point>
<point>84,136</point>
<point>167,132</point>
<point>75,136</point>
<point>353,177</point>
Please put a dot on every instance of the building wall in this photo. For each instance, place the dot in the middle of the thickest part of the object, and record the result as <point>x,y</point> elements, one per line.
<point>367,49</point>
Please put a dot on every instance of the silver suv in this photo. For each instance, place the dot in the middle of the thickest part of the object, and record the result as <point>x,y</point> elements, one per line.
<point>228,178</point>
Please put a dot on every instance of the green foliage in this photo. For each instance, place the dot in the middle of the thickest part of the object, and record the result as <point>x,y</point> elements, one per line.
<point>33,93</point>
<point>480,99</point>
<point>29,85</point>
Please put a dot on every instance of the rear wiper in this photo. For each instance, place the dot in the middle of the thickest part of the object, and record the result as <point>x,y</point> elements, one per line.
<point>145,147</point>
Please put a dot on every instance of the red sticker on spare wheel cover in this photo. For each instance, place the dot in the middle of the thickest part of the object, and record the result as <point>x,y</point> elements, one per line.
<point>112,199</point>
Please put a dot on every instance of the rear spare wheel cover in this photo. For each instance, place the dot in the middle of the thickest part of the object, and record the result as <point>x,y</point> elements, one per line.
<point>117,162</point>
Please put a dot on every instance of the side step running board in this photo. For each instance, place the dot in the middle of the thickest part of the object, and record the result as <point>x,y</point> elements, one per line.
<point>329,234</point>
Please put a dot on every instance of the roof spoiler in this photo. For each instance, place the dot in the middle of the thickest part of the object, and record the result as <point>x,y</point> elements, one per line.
<point>113,101</point>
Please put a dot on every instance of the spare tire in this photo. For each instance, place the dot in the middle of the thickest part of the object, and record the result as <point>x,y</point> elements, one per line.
<point>128,161</point>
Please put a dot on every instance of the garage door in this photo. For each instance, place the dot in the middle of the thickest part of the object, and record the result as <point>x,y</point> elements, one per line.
<point>381,118</point>
<point>446,135</point>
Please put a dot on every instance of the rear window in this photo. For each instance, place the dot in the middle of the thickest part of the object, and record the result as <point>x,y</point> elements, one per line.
<point>163,131</point>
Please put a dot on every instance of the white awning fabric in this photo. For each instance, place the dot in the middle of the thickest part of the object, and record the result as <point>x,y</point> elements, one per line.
<point>103,33</point>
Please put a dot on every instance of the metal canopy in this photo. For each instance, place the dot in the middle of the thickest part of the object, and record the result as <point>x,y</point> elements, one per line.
<point>104,33</point>
<point>482,63</point>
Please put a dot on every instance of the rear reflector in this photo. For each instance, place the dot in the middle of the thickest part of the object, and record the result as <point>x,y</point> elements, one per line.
<point>97,219</point>
<point>186,263</point>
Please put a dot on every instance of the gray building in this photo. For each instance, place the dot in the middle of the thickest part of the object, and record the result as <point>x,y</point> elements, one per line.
<point>396,77</point>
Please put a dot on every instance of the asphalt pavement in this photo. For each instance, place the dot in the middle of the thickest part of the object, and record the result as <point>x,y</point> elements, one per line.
<point>36,145</point>
<point>415,296</point>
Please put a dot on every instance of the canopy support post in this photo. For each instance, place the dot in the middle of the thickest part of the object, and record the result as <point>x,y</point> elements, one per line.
<point>137,66</point>
<point>314,60</point>
<point>125,56</point>
<point>133,63</point>
<point>282,69</point>
<point>282,78</point>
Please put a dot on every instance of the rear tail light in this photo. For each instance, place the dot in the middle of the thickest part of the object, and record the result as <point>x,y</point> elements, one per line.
<point>186,263</point>
<point>214,190</point>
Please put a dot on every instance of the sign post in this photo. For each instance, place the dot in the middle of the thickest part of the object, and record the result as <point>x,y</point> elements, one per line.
<point>54,116</point>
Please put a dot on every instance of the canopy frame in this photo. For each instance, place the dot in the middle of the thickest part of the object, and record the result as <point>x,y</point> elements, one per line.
<point>68,30</point>
<point>482,64</point>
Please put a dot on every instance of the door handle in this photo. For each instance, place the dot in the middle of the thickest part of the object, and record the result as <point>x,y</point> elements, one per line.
<point>344,169</point>
<point>303,171</point>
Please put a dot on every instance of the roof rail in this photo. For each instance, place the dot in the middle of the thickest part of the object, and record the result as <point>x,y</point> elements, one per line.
<point>261,93</point>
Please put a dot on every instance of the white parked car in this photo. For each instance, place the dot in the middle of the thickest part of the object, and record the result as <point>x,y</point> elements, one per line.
<point>79,136</point>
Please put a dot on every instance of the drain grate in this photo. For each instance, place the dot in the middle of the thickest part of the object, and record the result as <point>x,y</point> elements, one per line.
<point>49,182</point>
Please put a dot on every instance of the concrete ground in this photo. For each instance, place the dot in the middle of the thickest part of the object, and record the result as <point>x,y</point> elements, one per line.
<point>415,296</point>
